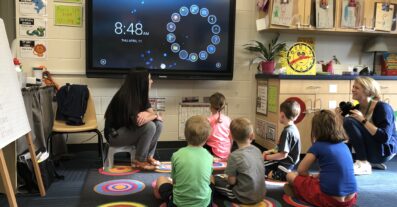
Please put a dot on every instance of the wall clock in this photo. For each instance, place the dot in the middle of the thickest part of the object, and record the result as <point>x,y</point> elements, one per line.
<point>301,59</point>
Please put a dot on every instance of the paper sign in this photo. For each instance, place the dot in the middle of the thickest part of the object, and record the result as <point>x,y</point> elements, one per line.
<point>32,27</point>
<point>33,49</point>
<point>33,7</point>
<point>272,99</point>
<point>68,15</point>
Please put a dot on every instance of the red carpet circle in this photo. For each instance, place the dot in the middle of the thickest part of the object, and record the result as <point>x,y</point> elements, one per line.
<point>267,202</point>
<point>119,187</point>
<point>122,204</point>
<point>118,171</point>
<point>295,202</point>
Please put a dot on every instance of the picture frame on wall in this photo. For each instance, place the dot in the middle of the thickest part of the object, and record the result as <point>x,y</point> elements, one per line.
<point>261,100</point>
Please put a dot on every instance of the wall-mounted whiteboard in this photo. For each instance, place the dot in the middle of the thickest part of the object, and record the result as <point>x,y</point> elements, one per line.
<point>13,118</point>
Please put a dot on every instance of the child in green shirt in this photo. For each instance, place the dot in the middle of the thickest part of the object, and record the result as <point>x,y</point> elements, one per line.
<point>189,184</point>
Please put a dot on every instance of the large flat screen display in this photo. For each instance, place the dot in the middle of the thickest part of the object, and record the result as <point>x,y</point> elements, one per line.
<point>174,39</point>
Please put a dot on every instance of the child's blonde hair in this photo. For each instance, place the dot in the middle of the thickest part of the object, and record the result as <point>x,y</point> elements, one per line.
<point>291,109</point>
<point>241,129</point>
<point>197,130</point>
<point>327,127</point>
<point>218,102</point>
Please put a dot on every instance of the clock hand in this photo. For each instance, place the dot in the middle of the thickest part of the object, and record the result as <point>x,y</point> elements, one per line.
<point>299,58</point>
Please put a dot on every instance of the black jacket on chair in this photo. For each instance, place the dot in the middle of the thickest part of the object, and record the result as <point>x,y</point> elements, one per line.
<point>72,103</point>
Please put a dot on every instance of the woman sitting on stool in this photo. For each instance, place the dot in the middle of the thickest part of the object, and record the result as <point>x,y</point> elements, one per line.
<point>371,128</point>
<point>130,119</point>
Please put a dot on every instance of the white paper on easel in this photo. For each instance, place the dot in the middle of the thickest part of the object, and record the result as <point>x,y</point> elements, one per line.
<point>13,118</point>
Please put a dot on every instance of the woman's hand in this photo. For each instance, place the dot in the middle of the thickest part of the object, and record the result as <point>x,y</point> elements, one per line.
<point>143,118</point>
<point>356,114</point>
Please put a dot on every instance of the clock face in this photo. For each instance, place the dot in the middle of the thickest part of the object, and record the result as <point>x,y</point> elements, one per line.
<point>300,57</point>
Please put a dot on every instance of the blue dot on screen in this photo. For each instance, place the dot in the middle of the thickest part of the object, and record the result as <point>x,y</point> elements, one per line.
<point>204,12</point>
<point>194,9</point>
<point>203,55</point>
<point>151,59</point>
<point>175,17</point>
<point>211,49</point>
<point>212,19</point>
<point>215,39</point>
<point>164,54</point>
<point>184,11</point>
<point>183,54</point>
<point>171,27</point>
<point>216,29</point>
<point>148,52</point>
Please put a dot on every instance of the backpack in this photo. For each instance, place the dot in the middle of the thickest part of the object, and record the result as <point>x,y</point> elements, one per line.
<point>72,103</point>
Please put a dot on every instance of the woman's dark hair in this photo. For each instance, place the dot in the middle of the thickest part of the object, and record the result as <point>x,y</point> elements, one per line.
<point>218,102</point>
<point>327,127</point>
<point>129,100</point>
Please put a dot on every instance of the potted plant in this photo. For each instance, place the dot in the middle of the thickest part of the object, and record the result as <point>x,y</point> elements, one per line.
<point>266,54</point>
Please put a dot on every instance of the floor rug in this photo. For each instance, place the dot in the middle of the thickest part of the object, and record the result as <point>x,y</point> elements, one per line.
<point>267,202</point>
<point>122,204</point>
<point>118,170</point>
<point>295,202</point>
<point>119,187</point>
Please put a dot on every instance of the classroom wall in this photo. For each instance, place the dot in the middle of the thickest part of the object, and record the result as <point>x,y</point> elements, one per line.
<point>66,61</point>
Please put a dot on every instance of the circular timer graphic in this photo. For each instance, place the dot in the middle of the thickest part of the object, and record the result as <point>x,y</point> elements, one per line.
<point>209,49</point>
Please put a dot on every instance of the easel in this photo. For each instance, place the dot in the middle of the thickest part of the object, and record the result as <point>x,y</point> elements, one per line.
<point>14,121</point>
<point>6,177</point>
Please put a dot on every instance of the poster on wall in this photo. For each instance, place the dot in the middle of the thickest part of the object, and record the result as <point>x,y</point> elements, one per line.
<point>261,100</point>
<point>282,12</point>
<point>33,49</point>
<point>32,27</point>
<point>324,14</point>
<point>68,15</point>
<point>384,16</point>
<point>352,13</point>
<point>33,7</point>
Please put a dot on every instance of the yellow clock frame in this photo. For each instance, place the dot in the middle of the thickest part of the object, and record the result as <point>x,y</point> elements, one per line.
<point>301,59</point>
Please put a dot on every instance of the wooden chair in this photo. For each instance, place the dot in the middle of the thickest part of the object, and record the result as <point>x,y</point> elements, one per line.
<point>60,127</point>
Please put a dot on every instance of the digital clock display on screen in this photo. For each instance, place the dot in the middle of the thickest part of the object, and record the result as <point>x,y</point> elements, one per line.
<point>161,35</point>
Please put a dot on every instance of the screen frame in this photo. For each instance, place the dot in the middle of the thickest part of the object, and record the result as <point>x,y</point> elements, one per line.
<point>93,72</point>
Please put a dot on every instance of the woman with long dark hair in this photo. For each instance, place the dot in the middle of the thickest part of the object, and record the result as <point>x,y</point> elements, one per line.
<point>130,119</point>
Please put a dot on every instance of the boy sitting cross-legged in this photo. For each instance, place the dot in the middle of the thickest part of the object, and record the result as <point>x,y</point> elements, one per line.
<point>189,184</point>
<point>244,180</point>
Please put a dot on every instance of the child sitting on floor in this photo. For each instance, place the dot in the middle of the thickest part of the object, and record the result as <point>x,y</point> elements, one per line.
<point>335,185</point>
<point>244,180</point>
<point>219,142</point>
<point>189,184</point>
<point>280,161</point>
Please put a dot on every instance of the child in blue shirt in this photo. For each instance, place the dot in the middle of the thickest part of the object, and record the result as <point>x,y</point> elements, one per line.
<point>335,185</point>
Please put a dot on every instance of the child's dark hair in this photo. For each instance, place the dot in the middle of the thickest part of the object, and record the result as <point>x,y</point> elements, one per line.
<point>218,102</point>
<point>197,130</point>
<point>327,127</point>
<point>291,109</point>
<point>241,129</point>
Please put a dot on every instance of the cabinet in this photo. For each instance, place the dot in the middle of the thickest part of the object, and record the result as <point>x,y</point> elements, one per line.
<point>389,93</point>
<point>315,94</point>
<point>357,16</point>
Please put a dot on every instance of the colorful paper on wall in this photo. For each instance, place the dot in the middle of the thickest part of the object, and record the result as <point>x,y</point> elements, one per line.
<point>68,15</point>
<point>33,7</point>
<point>33,49</point>
<point>32,27</point>
<point>384,16</point>
<point>261,101</point>
<point>272,99</point>
<point>352,13</point>
<point>69,1</point>
<point>282,12</point>
<point>324,14</point>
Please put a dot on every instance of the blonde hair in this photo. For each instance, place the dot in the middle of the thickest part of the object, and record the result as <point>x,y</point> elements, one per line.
<point>218,102</point>
<point>197,130</point>
<point>327,127</point>
<point>371,87</point>
<point>241,129</point>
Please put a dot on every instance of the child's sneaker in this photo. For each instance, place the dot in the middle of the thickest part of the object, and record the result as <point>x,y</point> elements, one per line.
<point>379,166</point>
<point>362,168</point>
